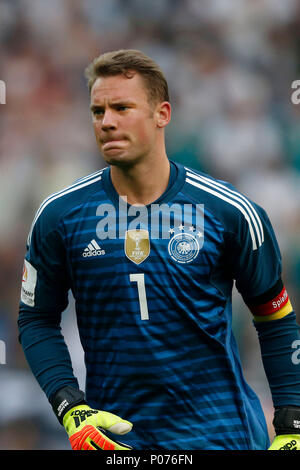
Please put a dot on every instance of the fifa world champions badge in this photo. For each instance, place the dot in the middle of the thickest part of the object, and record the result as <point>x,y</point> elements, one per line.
<point>137,245</point>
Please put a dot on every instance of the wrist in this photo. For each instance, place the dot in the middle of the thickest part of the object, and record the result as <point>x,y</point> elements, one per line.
<point>64,400</point>
<point>287,420</point>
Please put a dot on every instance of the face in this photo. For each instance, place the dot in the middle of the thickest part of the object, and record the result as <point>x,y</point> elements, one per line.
<point>126,125</point>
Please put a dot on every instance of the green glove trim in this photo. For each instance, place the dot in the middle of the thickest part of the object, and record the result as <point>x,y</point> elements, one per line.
<point>286,442</point>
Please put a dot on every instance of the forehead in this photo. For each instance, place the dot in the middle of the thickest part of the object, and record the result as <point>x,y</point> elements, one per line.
<point>119,87</point>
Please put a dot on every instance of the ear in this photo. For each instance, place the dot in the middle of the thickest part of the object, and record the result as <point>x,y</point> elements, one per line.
<point>163,114</point>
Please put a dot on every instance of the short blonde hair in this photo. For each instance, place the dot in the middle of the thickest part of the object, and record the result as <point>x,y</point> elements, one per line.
<point>124,61</point>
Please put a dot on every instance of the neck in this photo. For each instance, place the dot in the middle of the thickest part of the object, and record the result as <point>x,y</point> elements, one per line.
<point>143,182</point>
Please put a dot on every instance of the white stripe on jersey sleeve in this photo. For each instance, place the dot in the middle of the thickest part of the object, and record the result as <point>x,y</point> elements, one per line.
<point>237,196</point>
<point>238,205</point>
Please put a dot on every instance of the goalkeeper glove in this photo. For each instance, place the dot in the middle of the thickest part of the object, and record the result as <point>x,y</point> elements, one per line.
<point>85,426</point>
<point>287,427</point>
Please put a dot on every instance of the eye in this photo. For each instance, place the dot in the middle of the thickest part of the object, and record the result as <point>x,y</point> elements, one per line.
<point>97,111</point>
<point>122,107</point>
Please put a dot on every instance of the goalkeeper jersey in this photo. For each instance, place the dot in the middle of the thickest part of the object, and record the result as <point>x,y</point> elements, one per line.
<point>153,293</point>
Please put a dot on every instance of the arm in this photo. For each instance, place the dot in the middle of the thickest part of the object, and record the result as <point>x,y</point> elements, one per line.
<point>44,296</point>
<point>278,331</point>
<point>277,337</point>
<point>258,278</point>
<point>46,351</point>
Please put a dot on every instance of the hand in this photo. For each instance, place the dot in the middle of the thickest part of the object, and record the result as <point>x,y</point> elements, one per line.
<point>286,442</point>
<point>86,429</point>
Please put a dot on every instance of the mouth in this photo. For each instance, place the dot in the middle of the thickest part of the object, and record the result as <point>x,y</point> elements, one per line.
<point>113,144</point>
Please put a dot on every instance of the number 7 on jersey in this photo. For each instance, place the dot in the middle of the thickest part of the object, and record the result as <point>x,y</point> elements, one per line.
<point>140,280</point>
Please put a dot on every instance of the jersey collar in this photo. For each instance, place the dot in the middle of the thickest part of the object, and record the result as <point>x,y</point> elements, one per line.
<point>176,181</point>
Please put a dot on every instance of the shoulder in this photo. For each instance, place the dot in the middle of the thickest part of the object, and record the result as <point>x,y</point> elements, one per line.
<point>237,212</point>
<point>57,205</point>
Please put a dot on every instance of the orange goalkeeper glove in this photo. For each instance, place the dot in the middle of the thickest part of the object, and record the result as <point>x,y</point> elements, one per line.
<point>86,427</point>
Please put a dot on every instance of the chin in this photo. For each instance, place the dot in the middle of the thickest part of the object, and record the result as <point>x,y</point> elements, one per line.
<point>120,160</point>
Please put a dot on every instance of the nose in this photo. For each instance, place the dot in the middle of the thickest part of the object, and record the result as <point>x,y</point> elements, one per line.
<point>108,121</point>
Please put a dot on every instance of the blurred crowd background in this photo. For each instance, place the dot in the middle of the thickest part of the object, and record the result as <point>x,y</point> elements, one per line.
<point>230,66</point>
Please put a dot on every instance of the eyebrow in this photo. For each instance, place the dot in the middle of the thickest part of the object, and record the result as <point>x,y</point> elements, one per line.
<point>94,107</point>
<point>126,102</point>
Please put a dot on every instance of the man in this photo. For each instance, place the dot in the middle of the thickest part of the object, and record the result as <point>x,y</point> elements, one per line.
<point>150,250</point>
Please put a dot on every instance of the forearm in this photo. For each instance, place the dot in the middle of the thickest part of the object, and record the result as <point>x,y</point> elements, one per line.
<point>276,339</point>
<point>46,352</point>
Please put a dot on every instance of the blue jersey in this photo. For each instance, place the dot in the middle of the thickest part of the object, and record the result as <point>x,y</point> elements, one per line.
<point>153,292</point>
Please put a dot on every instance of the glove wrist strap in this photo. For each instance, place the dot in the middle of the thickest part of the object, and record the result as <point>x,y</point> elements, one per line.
<point>287,420</point>
<point>65,399</point>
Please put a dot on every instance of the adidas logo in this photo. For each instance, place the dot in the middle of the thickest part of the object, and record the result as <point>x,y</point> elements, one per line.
<point>93,249</point>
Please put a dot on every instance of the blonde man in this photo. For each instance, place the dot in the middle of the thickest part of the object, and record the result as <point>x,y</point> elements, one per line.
<point>150,250</point>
